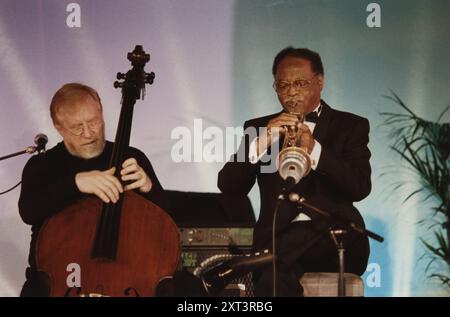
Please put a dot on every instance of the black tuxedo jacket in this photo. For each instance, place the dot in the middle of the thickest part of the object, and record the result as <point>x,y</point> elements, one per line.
<point>342,175</point>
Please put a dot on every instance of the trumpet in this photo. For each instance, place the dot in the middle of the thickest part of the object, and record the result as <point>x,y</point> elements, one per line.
<point>293,161</point>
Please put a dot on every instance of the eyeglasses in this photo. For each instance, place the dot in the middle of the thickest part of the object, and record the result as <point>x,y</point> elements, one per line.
<point>93,126</point>
<point>282,87</point>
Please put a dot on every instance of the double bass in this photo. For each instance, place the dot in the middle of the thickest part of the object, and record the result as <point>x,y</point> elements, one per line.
<point>121,249</point>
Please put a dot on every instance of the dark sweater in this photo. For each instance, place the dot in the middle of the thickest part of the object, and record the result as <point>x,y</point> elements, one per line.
<point>48,184</point>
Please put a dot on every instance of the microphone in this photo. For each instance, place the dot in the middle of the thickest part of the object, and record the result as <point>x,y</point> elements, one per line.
<point>40,140</point>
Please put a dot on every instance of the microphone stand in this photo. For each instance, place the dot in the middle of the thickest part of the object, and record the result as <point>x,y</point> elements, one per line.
<point>288,184</point>
<point>337,234</point>
<point>30,150</point>
<point>280,198</point>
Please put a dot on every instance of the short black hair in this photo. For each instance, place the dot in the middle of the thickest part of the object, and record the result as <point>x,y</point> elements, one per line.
<point>313,57</point>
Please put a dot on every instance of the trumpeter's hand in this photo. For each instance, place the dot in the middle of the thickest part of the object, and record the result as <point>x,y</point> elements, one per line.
<point>306,139</point>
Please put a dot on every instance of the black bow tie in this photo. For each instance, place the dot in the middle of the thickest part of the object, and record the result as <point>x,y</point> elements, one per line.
<point>312,117</point>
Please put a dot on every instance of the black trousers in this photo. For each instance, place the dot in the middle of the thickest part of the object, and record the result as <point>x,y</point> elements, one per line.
<point>35,285</point>
<point>308,247</point>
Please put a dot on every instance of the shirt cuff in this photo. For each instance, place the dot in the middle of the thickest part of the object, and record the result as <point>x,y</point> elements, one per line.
<point>315,154</point>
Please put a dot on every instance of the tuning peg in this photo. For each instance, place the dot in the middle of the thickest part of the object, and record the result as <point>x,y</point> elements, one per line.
<point>149,78</point>
<point>118,84</point>
<point>120,76</point>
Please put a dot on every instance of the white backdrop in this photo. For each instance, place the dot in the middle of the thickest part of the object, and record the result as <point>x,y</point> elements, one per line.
<point>213,61</point>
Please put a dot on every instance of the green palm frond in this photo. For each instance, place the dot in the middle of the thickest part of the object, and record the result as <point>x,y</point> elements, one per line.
<point>436,251</point>
<point>425,148</point>
<point>431,223</point>
<point>445,280</point>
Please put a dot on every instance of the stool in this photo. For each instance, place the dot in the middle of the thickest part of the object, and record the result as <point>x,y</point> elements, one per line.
<point>323,284</point>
